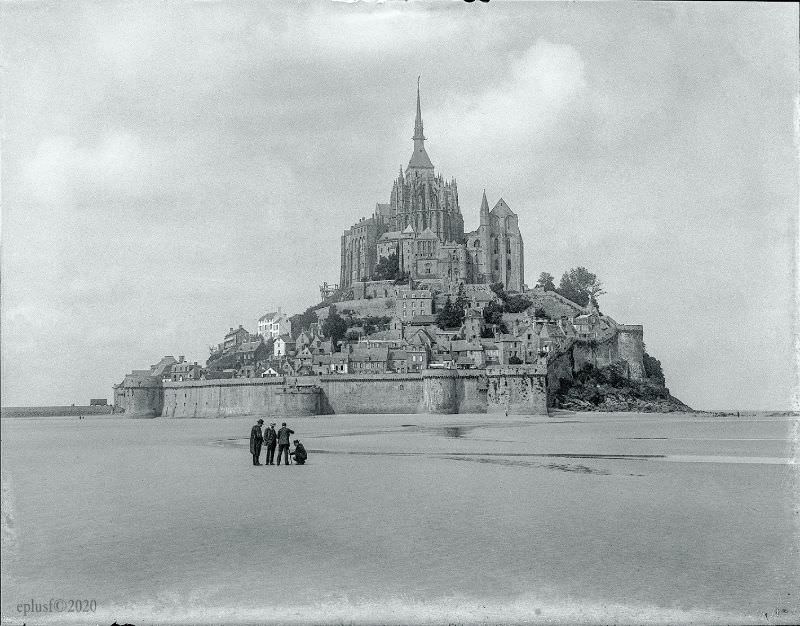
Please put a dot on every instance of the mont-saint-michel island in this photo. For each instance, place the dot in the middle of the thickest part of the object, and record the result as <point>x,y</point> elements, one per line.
<point>399,313</point>
<point>427,317</point>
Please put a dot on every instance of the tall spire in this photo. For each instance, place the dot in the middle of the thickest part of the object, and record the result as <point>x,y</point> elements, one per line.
<point>418,134</point>
<point>419,158</point>
<point>484,209</point>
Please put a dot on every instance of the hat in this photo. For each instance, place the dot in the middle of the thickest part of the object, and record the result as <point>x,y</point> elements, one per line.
<point>272,423</point>
<point>260,421</point>
<point>296,441</point>
<point>283,423</point>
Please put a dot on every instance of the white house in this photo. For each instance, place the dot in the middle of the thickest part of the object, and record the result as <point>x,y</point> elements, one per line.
<point>274,324</point>
<point>283,346</point>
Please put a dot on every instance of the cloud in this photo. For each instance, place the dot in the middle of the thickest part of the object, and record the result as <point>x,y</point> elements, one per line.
<point>61,171</point>
<point>542,89</point>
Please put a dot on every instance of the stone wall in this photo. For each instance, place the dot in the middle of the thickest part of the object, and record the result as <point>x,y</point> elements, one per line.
<point>364,308</point>
<point>598,353</point>
<point>140,395</point>
<point>440,391</point>
<point>517,389</point>
<point>221,398</point>
<point>372,393</point>
<point>433,391</point>
<point>472,388</point>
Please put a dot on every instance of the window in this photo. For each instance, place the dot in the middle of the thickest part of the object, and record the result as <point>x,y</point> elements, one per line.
<point>497,265</point>
<point>496,248</point>
<point>477,243</point>
<point>508,264</point>
<point>508,246</point>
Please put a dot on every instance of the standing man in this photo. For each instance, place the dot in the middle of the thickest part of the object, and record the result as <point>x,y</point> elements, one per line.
<point>270,440</point>
<point>283,443</point>
<point>255,441</point>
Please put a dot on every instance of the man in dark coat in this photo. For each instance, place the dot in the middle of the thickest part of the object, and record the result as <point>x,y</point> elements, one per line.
<point>283,443</point>
<point>300,455</point>
<point>255,441</point>
<point>270,440</point>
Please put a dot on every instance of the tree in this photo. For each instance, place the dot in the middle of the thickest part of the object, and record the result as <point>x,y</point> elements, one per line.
<point>303,320</point>
<point>335,326</point>
<point>540,313</point>
<point>461,302</point>
<point>403,278</point>
<point>580,286</point>
<point>516,304</point>
<point>493,313</point>
<point>515,360</point>
<point>499,290</point>
<point>546,282</point>
<point>449,316</point>
<point>388,268</point>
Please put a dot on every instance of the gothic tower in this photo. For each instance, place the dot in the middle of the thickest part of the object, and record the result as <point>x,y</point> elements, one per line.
<point>422,199</point>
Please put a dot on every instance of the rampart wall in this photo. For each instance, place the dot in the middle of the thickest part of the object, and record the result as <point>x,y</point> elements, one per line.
<point>372,393</point>
<point>433,391</point>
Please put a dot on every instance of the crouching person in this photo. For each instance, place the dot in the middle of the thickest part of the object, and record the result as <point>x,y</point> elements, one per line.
<point>300,455</point>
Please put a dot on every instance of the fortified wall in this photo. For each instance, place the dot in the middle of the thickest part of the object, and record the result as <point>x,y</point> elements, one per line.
<point>625,347</point>
<point>517,390</point>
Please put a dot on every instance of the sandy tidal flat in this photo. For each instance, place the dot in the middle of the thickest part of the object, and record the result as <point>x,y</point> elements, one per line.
<point>405,518</point>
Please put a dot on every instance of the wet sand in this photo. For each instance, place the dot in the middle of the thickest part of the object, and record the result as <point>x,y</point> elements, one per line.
<point>589,518</point>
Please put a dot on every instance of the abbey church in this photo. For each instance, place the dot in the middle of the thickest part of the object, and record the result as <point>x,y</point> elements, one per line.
<point>422,224</point>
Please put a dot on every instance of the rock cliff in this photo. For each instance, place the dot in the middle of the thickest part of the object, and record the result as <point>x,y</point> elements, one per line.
<point>609,389</point>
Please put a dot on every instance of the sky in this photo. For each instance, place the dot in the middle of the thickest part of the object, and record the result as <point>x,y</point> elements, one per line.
<point>170,170</point>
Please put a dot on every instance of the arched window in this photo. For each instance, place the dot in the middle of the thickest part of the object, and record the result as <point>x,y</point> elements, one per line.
<point>497,265</point>
<point>508,246</point>
<point>508,265</point>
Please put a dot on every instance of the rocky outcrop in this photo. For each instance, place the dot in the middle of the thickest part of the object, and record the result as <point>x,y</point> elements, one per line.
<point>618,403</point>
<point>609,389</point>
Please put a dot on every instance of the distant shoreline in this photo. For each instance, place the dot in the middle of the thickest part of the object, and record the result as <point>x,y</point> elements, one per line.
<point>54,411</point>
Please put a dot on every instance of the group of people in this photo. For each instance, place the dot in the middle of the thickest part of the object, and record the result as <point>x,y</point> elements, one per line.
<point>272,439</point>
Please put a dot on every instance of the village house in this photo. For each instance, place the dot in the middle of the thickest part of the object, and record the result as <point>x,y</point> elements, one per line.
<point>274,324</point>
<point>235,338</point>
<point>586,326</point>
<point>249,357</point>
<point>398,361</point>
<point>467,354</point>
<point>183,370</point>
<point>473,325</point>
<point>340,363</point>
<point>418,357</point>
<point>491,353</point>
<point>283,346</point>
<point>304,357</point>
<point>390,338</point>
<point>412,302</point>
<point>479,299</point>
<point>302,340</point>
<point>369,360</point>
